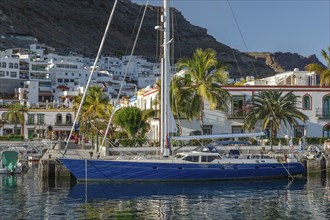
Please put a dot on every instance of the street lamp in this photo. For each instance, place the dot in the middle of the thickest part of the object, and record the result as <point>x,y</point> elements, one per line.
<point>271,132</point>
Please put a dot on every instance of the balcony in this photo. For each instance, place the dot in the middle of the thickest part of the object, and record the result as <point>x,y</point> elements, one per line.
<point>236,115</point>
<point>63,124</point>
<point>322,113</point>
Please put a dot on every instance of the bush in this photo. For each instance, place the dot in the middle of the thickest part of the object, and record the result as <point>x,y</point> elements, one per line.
<point>12,137</point>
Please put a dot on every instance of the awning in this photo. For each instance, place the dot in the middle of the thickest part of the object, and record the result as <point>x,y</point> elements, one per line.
<point>67,96</point>
<point>45,93</point>
<point>214,136</point>
<point>62,87</point>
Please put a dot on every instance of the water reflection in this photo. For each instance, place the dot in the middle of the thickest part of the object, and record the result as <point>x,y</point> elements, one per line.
<point>231,200</point>
<point>105,191</point>
<point>28,197</point>
<point>8,182</point>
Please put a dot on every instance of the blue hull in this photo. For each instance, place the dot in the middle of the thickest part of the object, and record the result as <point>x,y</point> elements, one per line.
<point>112,170</point>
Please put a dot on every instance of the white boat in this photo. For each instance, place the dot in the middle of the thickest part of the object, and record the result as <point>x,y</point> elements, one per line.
<point>202,164</point>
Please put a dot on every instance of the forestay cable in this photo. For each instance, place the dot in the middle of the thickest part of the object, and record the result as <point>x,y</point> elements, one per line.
<point>126,70</point>
<point>90,76</point>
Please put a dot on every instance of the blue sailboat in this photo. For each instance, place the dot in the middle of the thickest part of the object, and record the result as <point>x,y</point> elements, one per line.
<point>202,164</point>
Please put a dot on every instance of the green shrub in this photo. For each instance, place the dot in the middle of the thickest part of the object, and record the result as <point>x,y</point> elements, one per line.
<point>12,137</point>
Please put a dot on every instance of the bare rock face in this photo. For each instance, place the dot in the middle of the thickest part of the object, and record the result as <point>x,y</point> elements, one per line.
<point>70,25</point>
<point>281,62</point>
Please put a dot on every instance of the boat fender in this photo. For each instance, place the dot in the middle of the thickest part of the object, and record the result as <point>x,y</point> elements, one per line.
<point>310,157</point>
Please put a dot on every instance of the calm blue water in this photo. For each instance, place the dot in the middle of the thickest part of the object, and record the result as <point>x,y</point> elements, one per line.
<point>27,197</point>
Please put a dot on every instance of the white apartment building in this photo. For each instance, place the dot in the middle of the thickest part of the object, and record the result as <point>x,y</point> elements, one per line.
<point>314,102</point>
<point>138,68</point>
<point>39,122</point>
<point>68,75</point>
<point>61,78</point>
<point>41,49</point>
<point>9,74</point>
<point>293,78</point>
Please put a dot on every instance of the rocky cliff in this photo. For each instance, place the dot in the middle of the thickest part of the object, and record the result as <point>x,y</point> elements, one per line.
<point>69,25</point>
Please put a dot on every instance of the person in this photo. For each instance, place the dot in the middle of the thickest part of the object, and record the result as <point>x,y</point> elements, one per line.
<point>291,143</point>
<point>91,153</point>
<point>325,145</point>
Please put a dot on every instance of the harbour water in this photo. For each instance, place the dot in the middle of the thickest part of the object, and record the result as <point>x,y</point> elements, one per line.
<point>27,197</point>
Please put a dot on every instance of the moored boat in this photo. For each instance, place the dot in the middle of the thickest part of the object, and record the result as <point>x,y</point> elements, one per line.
<point>202,164</point>
<point>10,163</point>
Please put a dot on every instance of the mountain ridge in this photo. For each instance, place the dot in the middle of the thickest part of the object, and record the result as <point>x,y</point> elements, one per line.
<point>68,25</point>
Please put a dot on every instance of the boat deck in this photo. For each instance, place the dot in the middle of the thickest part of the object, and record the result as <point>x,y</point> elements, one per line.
<point>152,152</point>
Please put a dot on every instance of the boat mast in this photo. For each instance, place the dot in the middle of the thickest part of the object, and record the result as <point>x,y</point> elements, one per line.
<point>165,79</point>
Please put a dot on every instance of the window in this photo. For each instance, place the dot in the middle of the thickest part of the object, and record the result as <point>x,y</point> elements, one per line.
<point>3,65</point>
<point>59,80</point>
<point>41,119</point>
<point>299,131</point>
<point>13,74</point>
<point>192,158</point>
<point>11,65</point>
<point>68,119</point>
<point>30,119</point>
<point>16,65</point>
<point>326,131</point>
<point>207,129</point>
<point>58,119</point>
<point>238,106</point>
<point>326,106</point>
<point>306,101</point>
<point>2,73</point>
<point>208,158</point>
<point>237,129</point>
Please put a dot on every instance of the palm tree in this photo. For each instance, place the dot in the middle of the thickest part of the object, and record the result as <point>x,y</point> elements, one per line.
<point>324,72</point>
<point>16,114</point>
<point>94,109</point>
<point>202,82</point>
<point>272,108</point>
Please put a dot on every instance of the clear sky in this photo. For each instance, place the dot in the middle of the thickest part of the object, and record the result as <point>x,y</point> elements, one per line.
<point>296,26</point>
